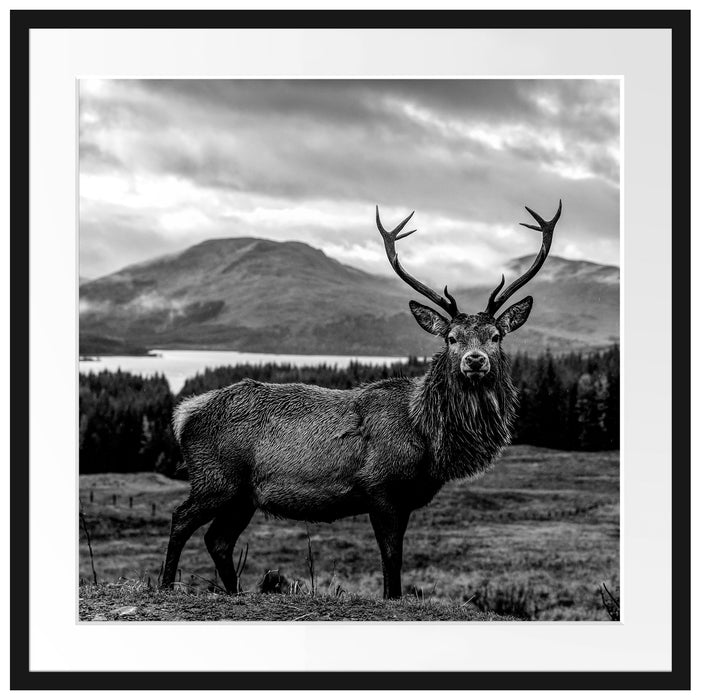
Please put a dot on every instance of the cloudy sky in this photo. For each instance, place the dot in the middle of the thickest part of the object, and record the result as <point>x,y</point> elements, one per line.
<point>165,164</point>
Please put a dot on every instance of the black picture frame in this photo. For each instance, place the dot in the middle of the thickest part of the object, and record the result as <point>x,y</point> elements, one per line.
<point>22,678</point>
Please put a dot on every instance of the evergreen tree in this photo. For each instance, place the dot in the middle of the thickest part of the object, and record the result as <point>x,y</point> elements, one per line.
<point>566,402</point>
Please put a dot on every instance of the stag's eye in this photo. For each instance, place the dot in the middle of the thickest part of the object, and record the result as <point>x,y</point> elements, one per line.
<point>495,338</point>
<point>452,340</point>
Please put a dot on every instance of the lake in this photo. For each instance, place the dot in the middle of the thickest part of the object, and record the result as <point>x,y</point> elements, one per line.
<point>178,365</point>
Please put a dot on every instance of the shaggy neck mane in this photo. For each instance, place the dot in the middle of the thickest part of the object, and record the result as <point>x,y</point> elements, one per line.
<point>466,424</point>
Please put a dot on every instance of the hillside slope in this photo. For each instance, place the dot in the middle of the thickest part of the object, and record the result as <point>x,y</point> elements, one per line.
<point>262,296</point>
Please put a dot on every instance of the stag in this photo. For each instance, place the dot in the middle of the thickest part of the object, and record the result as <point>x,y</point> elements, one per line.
<point>384,448</point>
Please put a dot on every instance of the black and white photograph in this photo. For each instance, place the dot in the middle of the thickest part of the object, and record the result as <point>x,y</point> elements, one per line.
<point>349,349</point>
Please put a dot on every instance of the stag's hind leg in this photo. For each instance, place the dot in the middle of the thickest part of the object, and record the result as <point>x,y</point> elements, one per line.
<point>222,535</point>
<point>186,519</point>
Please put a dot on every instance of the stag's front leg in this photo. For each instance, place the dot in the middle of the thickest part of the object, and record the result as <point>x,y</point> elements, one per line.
<point>389,525</point>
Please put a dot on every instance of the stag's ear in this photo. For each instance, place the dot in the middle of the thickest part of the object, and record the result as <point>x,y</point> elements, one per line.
<point>515,316</point>
<point>430,320</point>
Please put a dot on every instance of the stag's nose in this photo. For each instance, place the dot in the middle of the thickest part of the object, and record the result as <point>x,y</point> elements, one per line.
<point>475,361</point>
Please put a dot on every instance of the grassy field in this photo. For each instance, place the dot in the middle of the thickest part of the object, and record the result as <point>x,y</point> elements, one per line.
<point>532,539</point>
<point>135,601</point>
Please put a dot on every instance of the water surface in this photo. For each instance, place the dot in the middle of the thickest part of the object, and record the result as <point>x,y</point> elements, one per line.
<point>178,365</point>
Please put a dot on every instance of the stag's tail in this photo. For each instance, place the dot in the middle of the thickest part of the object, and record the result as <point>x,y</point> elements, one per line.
<point>185,410</point>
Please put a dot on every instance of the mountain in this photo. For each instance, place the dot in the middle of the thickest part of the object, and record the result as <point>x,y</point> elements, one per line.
<point>263,296</point>
<point>576,304</point>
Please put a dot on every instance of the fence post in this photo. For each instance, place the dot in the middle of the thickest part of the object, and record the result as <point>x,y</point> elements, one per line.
<point>114,499</point>
<point>130,501</point>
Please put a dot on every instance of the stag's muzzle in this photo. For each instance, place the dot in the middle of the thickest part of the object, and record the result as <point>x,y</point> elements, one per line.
<point>475,364</point>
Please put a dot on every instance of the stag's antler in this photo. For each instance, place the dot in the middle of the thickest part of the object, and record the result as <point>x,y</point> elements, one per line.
<point>390,238</point>
<point>546,227</point>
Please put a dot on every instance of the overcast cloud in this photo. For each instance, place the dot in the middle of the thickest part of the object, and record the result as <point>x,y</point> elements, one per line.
<point>165,164</point>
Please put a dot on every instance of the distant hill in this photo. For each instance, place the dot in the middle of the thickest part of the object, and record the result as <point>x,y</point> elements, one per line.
<point>263,296</point>
<point>576,304</point>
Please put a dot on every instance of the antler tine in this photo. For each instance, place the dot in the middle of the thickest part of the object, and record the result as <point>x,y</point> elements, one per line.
<point>494,293</point>
<point>404,235</point>
<point>454,305</point>
<point>546,227</point>
<point>398,229</point>
<point>390,238</point>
